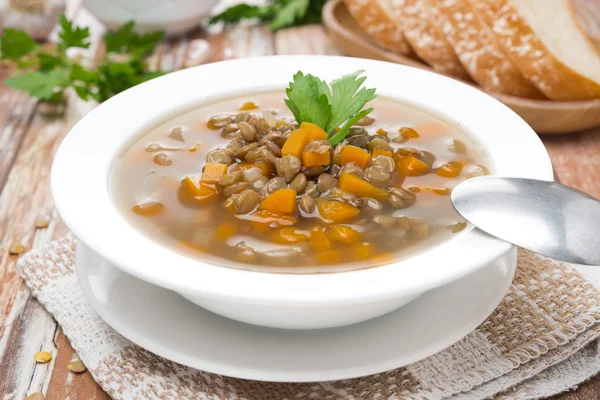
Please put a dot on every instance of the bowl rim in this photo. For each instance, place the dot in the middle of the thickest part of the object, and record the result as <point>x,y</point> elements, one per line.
<point>83,200</point>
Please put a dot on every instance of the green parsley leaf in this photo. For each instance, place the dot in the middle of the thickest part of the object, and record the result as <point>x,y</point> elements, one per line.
<point>343,132</point>
<point>14,44</point>
<point>310,99</point>
<point>78,73</point>
<point>72,36</point>
<point>279,13</point>
<point>313,15</point>
<point>26,62</point>
<point>83,81</point>
<point>289,14</point>
<point>150,75</point>
<point>307,100</point>
<point>42,85</point>
<point>115,77</point>
<point>239,12</point>
<point>118,41</point>
<point>122,67</point>
<point>83,92</point>
<point>146,43</point>
<point>47,62</point>
<point>126,40</point>
<point>345,100</point>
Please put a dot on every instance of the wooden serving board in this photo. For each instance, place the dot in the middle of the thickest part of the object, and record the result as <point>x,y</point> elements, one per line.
<point>544,116</point>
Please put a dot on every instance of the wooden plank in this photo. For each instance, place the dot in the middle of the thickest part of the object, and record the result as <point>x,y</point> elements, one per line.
<point>243,40</point>
<point>31,330</point>
<point>575,159</point>
<point>65,384</point>
<point>25,327</point>
<point>16,111</point>
<point>311,39</point>
<point>587,391</point>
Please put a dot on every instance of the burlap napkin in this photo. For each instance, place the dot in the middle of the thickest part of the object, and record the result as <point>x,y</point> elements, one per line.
<point>540,341</point>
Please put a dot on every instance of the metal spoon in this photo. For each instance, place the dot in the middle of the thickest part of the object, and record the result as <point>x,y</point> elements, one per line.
<point>545,217</point>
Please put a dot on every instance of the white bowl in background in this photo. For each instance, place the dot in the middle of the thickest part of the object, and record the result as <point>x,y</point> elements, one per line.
<point>83,163</point>
<point>172,16</point>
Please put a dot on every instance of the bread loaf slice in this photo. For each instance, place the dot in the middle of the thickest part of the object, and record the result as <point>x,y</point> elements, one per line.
<point>544,41</point>
<point>475,46</point>
<point>376,19</point>
<point>425,38</point>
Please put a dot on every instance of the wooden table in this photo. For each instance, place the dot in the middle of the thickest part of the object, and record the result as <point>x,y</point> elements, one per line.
<point>28,141</point>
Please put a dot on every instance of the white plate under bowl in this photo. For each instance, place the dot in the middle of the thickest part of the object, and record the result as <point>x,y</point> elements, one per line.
<point>166,324</point>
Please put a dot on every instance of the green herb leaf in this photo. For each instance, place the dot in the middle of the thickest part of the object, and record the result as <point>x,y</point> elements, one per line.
<point>14,44</point>
<point>118,41</point>
<point>42,85</point>
<point>126,40</point>
<point>148,76</point>
<point>313,15</point>
<point>310,99</point>
<point>280,13</point>
<point>122,67</point>
<point>71,36</point>
<point>78,73</point>
<point>82,91</point>
<point>337,137</point>
<point>124,70</point>
<point>115,77</point>
<point>244,11</point>
<point>26,62</point>
<point>47,62</point>
<point>146,43</point>
<point>345,100</point>
<point>307,100</point>
<point>290,14</point>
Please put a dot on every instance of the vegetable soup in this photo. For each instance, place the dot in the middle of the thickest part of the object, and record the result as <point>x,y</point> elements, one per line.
<point>241,183</point>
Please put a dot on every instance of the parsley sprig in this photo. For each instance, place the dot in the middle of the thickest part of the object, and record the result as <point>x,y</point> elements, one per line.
<point>278,13</point>
<point>311,99</point>
<point>46,73</point>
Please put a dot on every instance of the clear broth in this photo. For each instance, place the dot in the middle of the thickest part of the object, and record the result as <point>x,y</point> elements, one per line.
<point>136,178</point>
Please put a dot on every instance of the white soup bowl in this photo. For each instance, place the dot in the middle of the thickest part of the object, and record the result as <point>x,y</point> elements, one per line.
<point>80,186</point>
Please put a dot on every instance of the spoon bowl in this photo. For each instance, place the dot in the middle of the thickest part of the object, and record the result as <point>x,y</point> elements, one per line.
<point>545,217</point>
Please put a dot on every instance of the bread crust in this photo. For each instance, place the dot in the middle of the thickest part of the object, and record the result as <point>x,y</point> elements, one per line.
<point>477,50</point>
<point>425,38</point>
<point>529,54</point>
<point>379,25</point>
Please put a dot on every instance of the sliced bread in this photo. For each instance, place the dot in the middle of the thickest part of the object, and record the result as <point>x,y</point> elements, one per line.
<point>375,18</point>
<point>426,39</point>
<point>544,41</point>
<point>475,46</point>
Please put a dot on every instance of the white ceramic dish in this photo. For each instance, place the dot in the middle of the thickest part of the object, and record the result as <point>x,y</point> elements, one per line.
<point>172,16</point>
<point>166,324</point>
<point>82,165</point>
